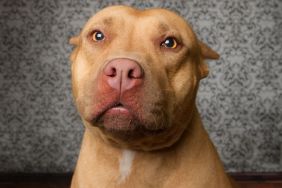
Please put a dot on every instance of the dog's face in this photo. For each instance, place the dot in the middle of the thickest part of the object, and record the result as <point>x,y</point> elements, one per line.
<point>135,75</point>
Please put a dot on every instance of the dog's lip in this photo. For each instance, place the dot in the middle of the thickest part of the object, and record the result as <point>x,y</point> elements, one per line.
<point>114,106</point>
<point>123,108</point>
<point>118,108</point>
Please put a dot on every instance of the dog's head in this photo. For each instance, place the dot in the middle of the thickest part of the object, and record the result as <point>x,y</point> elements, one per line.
<point>135,74</point>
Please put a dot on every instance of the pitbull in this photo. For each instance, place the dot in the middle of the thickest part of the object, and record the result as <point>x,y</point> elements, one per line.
<point>135,74</point>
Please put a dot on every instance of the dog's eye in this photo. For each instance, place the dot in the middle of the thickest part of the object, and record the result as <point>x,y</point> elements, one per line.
<point>98,36</point>
<point>169,42</point>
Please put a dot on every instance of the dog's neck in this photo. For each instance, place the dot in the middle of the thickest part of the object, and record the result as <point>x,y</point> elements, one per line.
<point>117,166</point>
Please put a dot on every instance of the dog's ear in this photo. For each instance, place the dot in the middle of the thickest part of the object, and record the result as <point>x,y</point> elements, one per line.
<point>74,40</point>
<point>206,53</point>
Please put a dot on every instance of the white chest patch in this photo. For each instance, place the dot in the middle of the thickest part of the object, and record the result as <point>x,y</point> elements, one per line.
<point>125,164</point>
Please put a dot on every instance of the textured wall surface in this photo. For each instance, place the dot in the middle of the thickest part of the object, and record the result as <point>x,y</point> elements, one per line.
<point>240,101</point>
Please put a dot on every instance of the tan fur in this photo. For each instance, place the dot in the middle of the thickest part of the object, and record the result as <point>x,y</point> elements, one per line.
<point>180,155</point>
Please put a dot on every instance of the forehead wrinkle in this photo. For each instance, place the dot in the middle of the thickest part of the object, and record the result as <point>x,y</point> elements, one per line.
<point>162,27</point>
<point>95,23</point>
<point>107,21</point>
<point>104,22</point>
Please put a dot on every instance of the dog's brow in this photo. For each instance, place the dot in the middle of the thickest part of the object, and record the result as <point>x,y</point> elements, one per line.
<point>107,21</point>
<point>163,27</point>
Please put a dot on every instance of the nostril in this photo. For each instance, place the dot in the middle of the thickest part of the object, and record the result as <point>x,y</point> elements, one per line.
<point>135,73</point>
<point>131,74</point>
<point>111,71</point>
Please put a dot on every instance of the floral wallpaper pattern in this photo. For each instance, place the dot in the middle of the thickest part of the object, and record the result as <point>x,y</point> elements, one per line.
<point>240,102</point>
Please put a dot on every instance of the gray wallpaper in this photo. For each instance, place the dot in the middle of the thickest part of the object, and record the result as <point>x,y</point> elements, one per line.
<point>240,101</point>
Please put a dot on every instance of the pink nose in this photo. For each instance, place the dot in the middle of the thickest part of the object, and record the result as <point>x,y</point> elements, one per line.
<point>123,74</point>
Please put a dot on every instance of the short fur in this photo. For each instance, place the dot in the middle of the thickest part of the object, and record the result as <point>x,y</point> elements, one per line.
<point>161,143</point>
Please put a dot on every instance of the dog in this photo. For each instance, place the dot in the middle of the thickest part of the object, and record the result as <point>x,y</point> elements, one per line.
<point>135,74</point>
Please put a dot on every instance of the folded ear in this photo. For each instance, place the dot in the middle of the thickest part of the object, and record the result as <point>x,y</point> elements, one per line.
<point>207,53</point>
<point>74,40</point>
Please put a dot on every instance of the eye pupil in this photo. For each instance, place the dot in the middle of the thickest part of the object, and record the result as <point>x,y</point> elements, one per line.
<point>98,36</point>
<point>170,43</point>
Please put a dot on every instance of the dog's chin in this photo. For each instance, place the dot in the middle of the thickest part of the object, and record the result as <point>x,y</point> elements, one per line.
<point>121,123</point>
<point>116,118</point>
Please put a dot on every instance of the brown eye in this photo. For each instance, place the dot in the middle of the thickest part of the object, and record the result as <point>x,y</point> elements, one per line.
<point>169,42</point>
<point>98,36</point>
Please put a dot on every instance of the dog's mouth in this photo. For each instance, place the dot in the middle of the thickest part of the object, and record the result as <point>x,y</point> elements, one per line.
<point>116,116</point>
<point>121,120</point>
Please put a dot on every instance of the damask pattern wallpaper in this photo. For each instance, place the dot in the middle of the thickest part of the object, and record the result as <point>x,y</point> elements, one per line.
<point>240,102</point>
